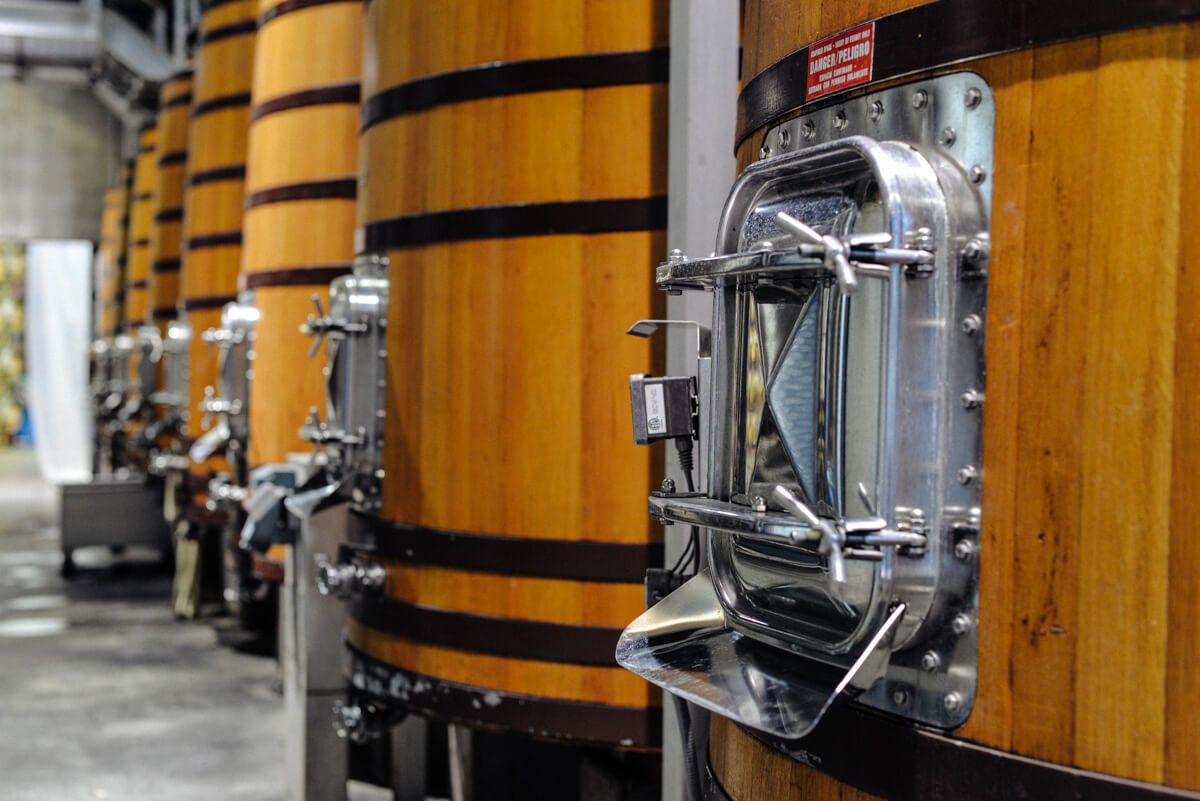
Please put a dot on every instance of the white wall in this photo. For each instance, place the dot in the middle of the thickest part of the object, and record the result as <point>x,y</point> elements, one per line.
<point>58,154</point>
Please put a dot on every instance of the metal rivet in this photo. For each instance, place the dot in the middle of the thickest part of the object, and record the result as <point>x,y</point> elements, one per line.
<point>978,174</point>
<point>971,399</point>
<point>759,504</point>
<point>876,109</point>
<point>900,696</point>
<point>808,129</point>
<point>976,250</point>
<point>930,661</point>
<point>967,474</point>
<point>964,550</point>
<point>668,486</point>
<point>920,99</point>
<point>974,98</point>
<point>764,151</point>
<point>839,120</point>
<point>949,137</point>
<point>961,624</point>
<point>952,702</point>
<point>785,138</point>
<point>972,324</point>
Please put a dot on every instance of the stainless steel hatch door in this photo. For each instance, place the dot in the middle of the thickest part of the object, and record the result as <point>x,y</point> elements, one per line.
<point>842,509</point>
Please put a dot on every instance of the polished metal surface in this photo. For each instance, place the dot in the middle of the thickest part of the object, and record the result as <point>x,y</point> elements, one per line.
<point>175,348</point>
<point>146,355</point>
<point>353,331</point>
<point>683,643</point>
<point>846,271</point>
<point>229,401</point>
<point>312,655</point>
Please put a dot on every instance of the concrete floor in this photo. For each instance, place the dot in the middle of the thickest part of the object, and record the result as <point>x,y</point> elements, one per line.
<point>103,694</point>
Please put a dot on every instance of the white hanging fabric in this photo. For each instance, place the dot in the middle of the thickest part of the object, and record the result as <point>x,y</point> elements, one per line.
<point>58,292</point>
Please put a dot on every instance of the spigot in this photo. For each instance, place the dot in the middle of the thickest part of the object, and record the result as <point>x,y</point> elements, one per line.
<point>346,580</point>
<point>845,256</point>
<point>832,539</point>
<point>315,326</point>
<point>349,722</point>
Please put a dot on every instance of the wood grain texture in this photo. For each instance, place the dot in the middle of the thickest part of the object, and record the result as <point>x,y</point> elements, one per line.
<point>592,603</point>
<point>605,685</point>
<point>112,245</point>
<point>286,382</point>
<point>1088,601</point>
<point>1045,544</point>
<point>507,361</point>
<point>421,39</point>
<point>216,140</point>
<point>1011,80</point>
<point>141,219</point>
<point>1182,757</point>
<point>228,14</point>
<point>290,234</point>
<point>740,762</point>
<point>1126,432</point>
<point>166,235</point>
<point>317,46</point>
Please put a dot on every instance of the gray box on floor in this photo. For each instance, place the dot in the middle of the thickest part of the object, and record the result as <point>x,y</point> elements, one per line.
<point>114,513</point>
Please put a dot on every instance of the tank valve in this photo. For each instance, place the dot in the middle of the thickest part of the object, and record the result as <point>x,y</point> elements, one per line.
<point>347,580</point>
<point>350,723</point>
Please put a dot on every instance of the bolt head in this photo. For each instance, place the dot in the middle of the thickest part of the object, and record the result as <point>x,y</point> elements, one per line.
<point>978,174</point>
<point>675,255</point>
<point>972,324</point>
<point>785,138</point>
<point>876,111</point>
<point>973,98</point>
<point>949,137</point>
<point>764,151</point>
<point>900,696</point>
<point>668,486</point>
<point>839,120</point>
<point>920,99</point>
<point>759,503</point>
<point>808,130</point>
<point>976,250</point>
<point>963,550</point>
<point>961,624</point>
<point>930,661</point>
<point>952,702</point>
<point>967,474</point>
<point>971,399</point>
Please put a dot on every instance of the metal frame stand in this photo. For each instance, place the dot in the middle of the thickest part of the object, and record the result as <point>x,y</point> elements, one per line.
<point>313,655</point>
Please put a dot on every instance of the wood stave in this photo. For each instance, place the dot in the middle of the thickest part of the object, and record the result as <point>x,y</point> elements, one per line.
<point>217,136</point>
<point>425,158</point>
<point>287,231</point>
<point>166,234</point>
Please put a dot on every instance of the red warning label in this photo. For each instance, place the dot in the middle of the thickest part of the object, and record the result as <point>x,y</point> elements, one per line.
<point>840,62</point>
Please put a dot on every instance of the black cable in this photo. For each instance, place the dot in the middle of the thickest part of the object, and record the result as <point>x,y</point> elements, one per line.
<point>683,449</point>
<point>687,552</point>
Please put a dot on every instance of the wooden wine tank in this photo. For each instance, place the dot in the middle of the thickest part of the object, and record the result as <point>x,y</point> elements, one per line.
<point>216,171</point>
<point>141,216</point>
<point>1088,624</point>
<point>514,173</point>
<point>166,234</point>
<point>112,247</point>
<point>300,202</point>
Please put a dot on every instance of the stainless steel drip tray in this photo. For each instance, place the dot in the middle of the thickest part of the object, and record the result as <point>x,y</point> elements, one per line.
<point>684,645</point>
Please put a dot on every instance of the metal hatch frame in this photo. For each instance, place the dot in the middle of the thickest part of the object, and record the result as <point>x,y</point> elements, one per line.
<point>924,646</point>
